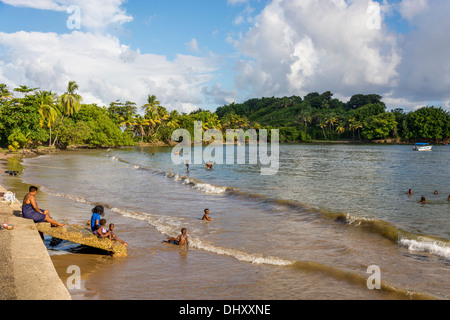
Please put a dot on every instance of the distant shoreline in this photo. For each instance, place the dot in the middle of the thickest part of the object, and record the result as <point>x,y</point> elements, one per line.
<point>24,153</point>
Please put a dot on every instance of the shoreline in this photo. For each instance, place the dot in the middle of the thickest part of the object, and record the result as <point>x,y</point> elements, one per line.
<point>53,268</point>
<point>27,271</point>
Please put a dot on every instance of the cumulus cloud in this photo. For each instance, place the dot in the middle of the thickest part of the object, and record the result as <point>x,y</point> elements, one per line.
<point>104,68</point>
<point>425,67</point>
<point>301,46</point>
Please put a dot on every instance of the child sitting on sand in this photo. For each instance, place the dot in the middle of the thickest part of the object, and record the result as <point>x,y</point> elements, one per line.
<point>114,237</point>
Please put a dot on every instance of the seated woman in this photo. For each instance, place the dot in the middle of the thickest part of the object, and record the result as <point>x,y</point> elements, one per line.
<point>97,213</point>
<point>30,209</point>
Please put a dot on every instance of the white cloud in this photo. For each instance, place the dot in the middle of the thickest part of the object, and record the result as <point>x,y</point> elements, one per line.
<point>38,4</point>
<point>105,69</point>
<point>425,68</point>
<point>95,15</point>
<point>298,46</point>
<point>302,46</point>
<point>411,8</point>
<point>236,2</point>
<point>193,45</point>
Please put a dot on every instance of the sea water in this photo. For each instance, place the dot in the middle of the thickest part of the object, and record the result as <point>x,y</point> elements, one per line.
<point>312,231</point>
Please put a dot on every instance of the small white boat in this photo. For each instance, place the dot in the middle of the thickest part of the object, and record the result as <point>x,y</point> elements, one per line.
<point>422,147</point>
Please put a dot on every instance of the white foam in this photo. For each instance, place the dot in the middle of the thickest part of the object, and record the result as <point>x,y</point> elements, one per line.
<point>64,195</point>
<point>240,255</point>
<point>208,188</point>
<point>170,225</point>
<point>357,220</point>
<point>434,247</point>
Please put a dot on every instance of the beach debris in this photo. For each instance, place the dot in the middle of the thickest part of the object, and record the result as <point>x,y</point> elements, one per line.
<point>9,197</point>
<point>12,173</point>
<point>6,226</point>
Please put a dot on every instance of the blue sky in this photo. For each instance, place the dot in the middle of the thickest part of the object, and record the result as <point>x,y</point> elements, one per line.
<point>206,53</point>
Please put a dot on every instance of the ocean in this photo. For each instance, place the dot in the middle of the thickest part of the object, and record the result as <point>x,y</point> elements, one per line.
<point>315,230</point>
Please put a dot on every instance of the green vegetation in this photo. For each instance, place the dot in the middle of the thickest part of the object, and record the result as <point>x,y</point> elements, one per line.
<point>320,117</point>
<point>30,118</point>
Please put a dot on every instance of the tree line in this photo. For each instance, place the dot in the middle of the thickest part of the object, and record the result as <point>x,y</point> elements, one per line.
<point>31,117</point>
<point>322,117</point>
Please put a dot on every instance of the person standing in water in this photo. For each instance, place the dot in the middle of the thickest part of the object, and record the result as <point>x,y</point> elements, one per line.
<point>188,166</point>
<point>30,209</point>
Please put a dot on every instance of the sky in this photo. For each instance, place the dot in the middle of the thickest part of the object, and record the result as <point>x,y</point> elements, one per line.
<point>208,53</point>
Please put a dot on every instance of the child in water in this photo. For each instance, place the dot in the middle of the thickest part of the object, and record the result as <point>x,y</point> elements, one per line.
<point>205,216</point>
<point>182,239</point>
<point>209,165</point>
<point>114,237</point>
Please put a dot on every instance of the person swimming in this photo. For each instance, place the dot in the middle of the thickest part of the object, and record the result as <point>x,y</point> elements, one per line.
<point>422,200</point>
<point>209,165</point>
<point>410,191</point>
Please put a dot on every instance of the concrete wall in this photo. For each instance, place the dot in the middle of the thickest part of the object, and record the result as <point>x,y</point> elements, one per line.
<point>27,272</point>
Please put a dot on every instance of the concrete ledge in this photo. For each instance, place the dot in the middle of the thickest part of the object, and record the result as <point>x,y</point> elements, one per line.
<point>32,275</point>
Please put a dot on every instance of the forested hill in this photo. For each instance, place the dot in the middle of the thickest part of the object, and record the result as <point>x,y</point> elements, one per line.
<point>322,117</point>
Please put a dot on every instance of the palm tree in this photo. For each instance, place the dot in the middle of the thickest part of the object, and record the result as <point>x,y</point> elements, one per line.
<point>340,129</point>
<point>126,122</point>
<point>70,102</point>
<point>140,122</point>
<point>322,125</point>
<point>153,119</point>
<point>163,117</point>
<point>152,104</point>
<point>331,121</point>
<point>47,109</point>
<point>306,118</point>
<point>173,121</point>
<point>354,125</point>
